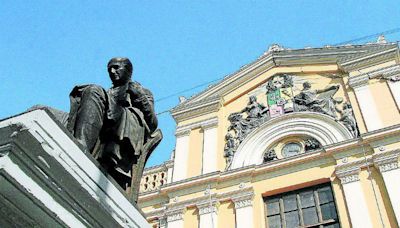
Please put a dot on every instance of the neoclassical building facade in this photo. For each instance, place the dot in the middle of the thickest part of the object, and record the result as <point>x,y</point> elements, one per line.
<point>297,138</point>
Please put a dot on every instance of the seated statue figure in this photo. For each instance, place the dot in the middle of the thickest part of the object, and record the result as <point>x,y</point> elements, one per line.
<point>316,100</point>
<point>118,126</point>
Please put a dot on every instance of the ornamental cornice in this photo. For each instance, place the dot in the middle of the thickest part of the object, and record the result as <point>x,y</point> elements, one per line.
<point>191,110</point>
<point>205,124</point>
<point>358,81</point>
<point>385,72</point>
<point>369,59</point>
<point>182,133</point>
<point>390,73</point>
<point>269,60</point>
<point>5,150</point>
<point>387,161</point>
<point>157,213</point>
<point>212,123</point>
<point>169,164</point>
<point>155,169</point>
<point>349,172</point>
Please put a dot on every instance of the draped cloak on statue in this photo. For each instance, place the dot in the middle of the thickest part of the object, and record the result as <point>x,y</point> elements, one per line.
<point>128,118</point>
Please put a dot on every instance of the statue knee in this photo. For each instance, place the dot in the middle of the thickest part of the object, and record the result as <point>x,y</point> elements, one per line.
<point>94,91</point>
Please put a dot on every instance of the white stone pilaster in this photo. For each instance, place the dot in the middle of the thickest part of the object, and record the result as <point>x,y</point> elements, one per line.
<point>244,210</point>
<point>208,214</point>
<point>170,168</point>
<point>366,102</point>
<point>175,218</point>
<point>395,89</point>
<point>209,148</point>
<point>388,165</point>
<point>181,155</point>
<point>353,192</point>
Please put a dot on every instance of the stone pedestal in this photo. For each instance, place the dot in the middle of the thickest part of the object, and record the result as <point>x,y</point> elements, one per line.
<point>46,180</point>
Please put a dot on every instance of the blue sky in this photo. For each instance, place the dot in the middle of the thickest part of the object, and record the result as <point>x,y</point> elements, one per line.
<point>47,47</point>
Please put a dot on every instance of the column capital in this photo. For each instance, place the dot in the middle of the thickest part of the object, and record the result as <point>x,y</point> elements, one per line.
<point>244,200</point>
<point>349,172</point>
<point>175,214</point>
<point>162,222</point>
<point>387,161</point>
<point>207,207</point>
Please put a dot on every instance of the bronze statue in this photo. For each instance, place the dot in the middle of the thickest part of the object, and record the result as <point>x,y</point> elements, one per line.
<point>118,126</point>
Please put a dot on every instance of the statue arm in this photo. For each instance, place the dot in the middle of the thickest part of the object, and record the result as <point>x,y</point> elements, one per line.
<point>329,88</point>
<point>142,99</point>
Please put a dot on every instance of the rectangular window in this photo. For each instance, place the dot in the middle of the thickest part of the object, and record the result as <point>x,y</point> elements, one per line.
<point>308,207</point>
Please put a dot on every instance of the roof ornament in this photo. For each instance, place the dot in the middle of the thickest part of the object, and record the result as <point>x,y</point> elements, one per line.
<point>182,99</point>
<point>275,47</point>
<point>381,40</point>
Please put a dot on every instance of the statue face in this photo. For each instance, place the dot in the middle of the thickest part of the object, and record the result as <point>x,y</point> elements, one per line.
<point>119,74</point>
<point>278,81</point>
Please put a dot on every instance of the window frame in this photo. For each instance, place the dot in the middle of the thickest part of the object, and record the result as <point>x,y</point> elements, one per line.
<point>317,205</point>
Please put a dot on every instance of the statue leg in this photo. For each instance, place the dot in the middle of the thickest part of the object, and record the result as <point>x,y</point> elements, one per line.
<point>90,116</point>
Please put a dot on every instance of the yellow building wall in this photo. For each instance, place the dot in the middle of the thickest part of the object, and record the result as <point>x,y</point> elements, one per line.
<point>311,173</point>
<point>384,102</point>
<point>226,215</point>
<point>191,218</point>
<point>377,199</point>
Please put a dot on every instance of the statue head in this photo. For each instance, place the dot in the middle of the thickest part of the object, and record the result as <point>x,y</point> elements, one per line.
<point>346,105</point>
<point>228,136</point>
<point>252,99</point>
<point>306,85</point>
<point>119,70</point>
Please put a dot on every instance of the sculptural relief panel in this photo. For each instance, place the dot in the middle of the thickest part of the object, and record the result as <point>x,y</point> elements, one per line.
<point>287,93</point>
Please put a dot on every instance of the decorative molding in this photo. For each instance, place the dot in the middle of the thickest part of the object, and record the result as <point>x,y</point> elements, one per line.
<point>208,123</point>
<point>169,164</point>
<point>358,81</point>
<point>182,133</point>
<point>243,203</point>
<point>186,111</point>
<point>157,213</point>
<point>206,204</point>
<point>212,123</point>
<point>328,55</point>
<point>155,169</point>
<point>387,161</point>
<point>5,150</point>
<point>316,125</point>
<point>390,73</point>
<point>388,167</point>
<point>349,178</point>
<point>372,58</point>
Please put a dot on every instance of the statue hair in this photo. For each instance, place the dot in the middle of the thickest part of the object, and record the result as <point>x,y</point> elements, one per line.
<point>123,60</point>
